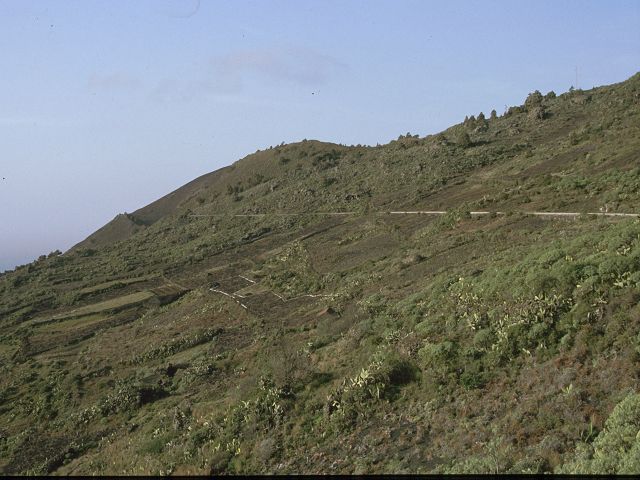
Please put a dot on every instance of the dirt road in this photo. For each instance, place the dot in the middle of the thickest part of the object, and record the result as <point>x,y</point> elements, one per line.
<point>427,212</point>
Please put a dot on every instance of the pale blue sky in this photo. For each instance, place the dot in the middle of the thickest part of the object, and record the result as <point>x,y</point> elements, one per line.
<point>107,105</point>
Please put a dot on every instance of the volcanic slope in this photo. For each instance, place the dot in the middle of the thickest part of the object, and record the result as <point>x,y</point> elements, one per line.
<point>183,339</point>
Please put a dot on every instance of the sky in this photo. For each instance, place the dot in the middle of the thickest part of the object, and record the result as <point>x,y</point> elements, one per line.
<point>108,105</point>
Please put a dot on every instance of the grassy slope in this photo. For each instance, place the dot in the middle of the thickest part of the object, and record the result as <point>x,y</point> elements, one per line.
<point>369,343</point>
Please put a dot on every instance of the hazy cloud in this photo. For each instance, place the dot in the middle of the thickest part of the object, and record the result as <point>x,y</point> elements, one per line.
<point>229,74</point>
<point>113,81</point>
<point>178,8</point>
<point>17,121</point>
<point>36,121</point>
<point>304,67</point>
<point>166,89</point>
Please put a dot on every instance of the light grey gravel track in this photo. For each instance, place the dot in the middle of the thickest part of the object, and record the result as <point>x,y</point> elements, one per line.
<point>425,212</point>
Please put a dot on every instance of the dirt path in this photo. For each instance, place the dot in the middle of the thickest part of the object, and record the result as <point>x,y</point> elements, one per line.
<point>428,212</point>
<point>270,214</point>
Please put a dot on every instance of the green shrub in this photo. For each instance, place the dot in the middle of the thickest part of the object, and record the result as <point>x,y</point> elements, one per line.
<point>494,459</point>
<point>463,140</point>
<point>439,360</point>
<point>616,450</point>
<point>533,100</point>
<point>380,380</point>
<point>153,446</point>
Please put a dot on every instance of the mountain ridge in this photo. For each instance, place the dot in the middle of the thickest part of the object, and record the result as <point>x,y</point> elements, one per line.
<point>156,210</point>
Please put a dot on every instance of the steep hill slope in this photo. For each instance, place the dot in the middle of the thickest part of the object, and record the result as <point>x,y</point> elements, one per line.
<point>240,325</point>
<point>125,225</point>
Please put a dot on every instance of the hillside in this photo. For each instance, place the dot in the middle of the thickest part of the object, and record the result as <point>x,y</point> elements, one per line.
<point>240,325</point>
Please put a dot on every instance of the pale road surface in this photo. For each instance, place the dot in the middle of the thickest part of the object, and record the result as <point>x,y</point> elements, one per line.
<point>425,212</point>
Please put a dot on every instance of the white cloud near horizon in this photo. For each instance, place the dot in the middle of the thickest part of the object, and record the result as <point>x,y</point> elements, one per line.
<point>178,8</point>
<point>113,81</point>
<point>296,66</point>
<point>24,121</point>
<point>228,76</point>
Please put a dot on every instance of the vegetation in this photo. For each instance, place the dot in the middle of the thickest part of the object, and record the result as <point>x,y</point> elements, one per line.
<point>173,342</point>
